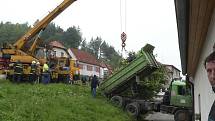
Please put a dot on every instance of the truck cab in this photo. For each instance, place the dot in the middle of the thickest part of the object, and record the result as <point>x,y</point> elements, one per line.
<point>178,101</point>
<point>180,94</point>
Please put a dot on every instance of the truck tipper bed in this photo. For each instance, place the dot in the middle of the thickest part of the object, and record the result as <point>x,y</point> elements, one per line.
<point>144,64</point>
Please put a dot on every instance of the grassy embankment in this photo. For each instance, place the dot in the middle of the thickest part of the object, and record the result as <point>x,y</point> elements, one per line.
<point>54,102</point>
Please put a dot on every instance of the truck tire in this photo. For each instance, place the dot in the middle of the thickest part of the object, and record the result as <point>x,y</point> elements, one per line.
<point>133,109</point>
<point>182,115</point>
<point>118,101</point>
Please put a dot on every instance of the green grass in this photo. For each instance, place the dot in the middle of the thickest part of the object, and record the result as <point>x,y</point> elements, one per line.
<point>54,102</point>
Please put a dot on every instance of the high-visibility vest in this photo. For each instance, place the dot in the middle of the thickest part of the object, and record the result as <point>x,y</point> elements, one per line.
<point>45,68</point>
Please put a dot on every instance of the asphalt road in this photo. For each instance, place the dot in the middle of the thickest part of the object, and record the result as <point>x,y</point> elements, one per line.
<point>157,116</point>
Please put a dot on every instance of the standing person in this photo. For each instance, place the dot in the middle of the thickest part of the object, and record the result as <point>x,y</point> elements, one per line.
<point>18,71</point>
<point>33,75</point>
<point>45,75</point>
<point>94,84</point>
<point>210,68</point>
<point>38,71</point>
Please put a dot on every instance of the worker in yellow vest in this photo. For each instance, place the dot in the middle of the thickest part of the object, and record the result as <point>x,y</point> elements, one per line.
<point>38,72</point>
<point>45,74</point>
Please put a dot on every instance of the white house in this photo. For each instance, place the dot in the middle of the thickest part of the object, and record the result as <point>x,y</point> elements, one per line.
<point>172,74</point>
<point>105,70</point>
<point>87,63</point>
<point>55,48</point>
<point>58,49</point>
<point>196,33</point>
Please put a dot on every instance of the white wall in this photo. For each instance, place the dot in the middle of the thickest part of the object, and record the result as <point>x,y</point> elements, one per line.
<point>176,73</point>
<point>201,84</point>
<point>101,72</point>
<point>71,54</point>
<point>59,51</point>
<point>84,71</point>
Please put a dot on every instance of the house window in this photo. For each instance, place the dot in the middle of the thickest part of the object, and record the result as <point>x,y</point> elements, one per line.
<point>89,68</point>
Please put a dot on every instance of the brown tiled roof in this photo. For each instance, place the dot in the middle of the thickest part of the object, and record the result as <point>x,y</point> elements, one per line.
<point>57,44</point>
<point>85,57</point>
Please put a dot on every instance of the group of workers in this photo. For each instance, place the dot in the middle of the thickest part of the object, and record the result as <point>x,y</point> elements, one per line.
<point>34,75</point>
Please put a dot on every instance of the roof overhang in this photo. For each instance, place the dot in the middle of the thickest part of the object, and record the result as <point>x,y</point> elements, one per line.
<point>193,19</point>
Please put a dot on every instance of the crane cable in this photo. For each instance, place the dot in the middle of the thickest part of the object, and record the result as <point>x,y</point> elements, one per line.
<point>123,33</point>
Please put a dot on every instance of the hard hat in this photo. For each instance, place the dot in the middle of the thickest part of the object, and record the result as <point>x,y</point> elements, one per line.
<point>33,62</point>
<point>38,63</point>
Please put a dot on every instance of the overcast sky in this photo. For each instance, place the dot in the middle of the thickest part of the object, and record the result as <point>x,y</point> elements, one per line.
<point>144,21</point>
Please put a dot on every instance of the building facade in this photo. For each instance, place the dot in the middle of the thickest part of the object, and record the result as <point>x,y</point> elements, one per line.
<point>58,49</point>
<point>87,63</point>
<point>173,73</point>
<point>196,32</point>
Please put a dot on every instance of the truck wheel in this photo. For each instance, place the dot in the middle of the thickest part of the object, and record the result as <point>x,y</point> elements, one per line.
<point>182,115</point>
<point>118,101</point>
<point>133,109</point>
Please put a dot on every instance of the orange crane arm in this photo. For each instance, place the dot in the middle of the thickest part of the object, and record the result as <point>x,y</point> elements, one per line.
<point>41,25</point>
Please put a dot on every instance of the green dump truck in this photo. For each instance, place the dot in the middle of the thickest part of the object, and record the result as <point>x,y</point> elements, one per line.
<point>178,101</point>
<point>124,89</point>
<point>144,64</point>
<point>124,86</point>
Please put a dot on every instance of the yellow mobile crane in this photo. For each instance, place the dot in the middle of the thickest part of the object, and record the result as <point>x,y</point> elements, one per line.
<point>16,51</point>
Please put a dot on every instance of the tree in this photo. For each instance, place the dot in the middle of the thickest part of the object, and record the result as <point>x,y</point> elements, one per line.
<point>94,46</point>
<point>153,83</point>
<point>102,51</point>
<point>11,32</point>
<point>84,46</point>
<point>52,32</point>
<point>72,37</point>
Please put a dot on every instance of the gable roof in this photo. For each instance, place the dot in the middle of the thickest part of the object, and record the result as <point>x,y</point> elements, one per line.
<point>57,44</point>
<point>172,67</point>
<point>85,57</point>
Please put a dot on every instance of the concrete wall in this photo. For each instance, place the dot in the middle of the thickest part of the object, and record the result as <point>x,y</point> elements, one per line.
<point>203,94</point>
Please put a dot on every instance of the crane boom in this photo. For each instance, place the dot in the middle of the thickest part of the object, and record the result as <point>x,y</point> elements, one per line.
<point>41,25</point>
